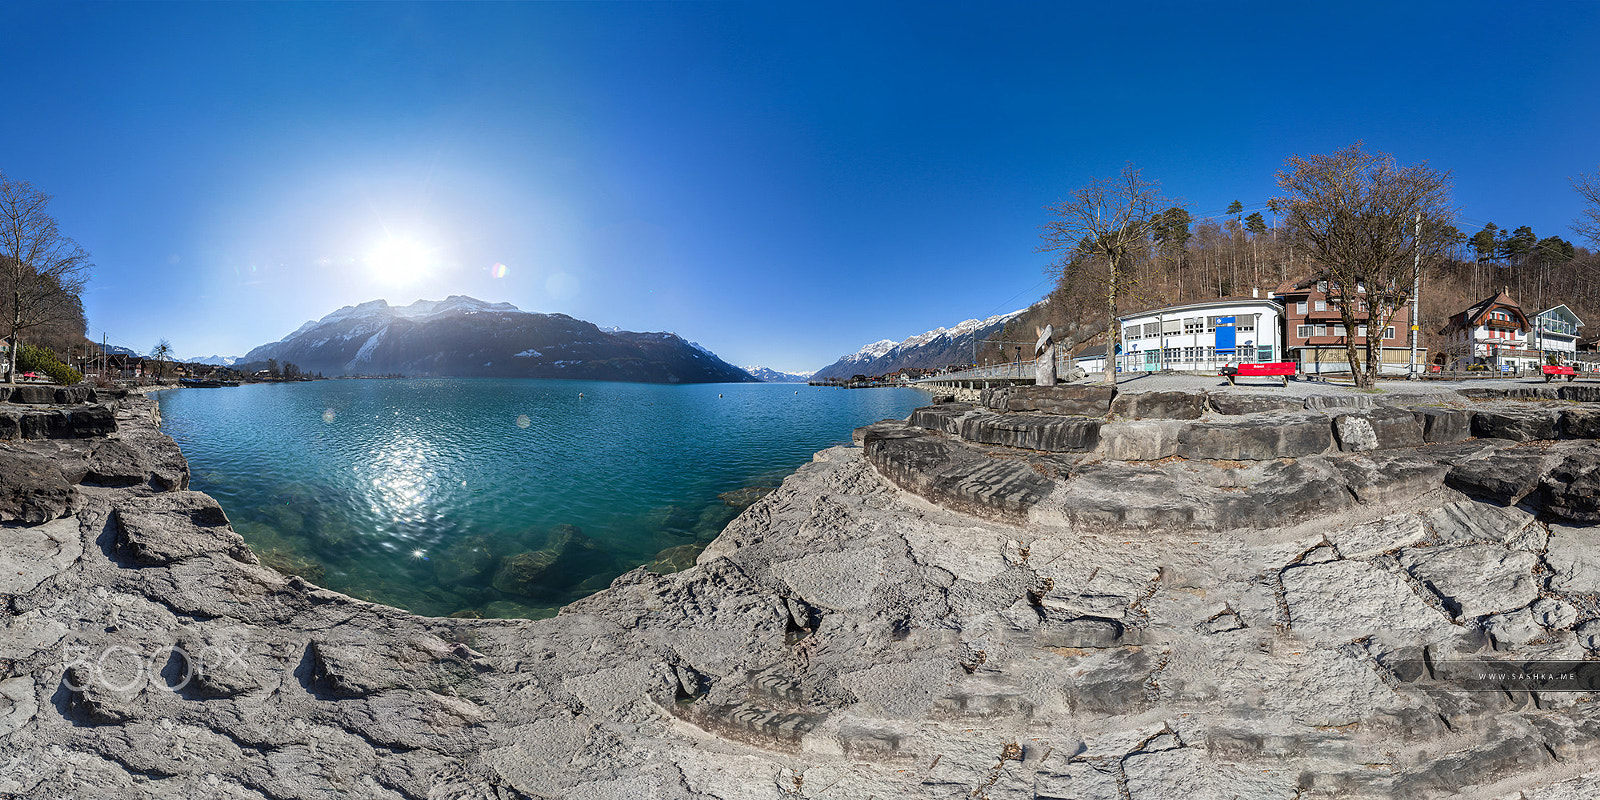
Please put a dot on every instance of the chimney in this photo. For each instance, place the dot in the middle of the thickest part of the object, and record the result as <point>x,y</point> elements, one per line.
<point>1255,293</point>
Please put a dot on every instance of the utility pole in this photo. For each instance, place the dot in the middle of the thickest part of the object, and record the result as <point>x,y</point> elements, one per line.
<point>1416,293</point>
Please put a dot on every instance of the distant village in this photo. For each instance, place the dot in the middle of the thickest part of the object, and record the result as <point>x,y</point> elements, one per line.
<point>1299,322</point>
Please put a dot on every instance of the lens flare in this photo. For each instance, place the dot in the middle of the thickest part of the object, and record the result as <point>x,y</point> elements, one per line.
<point>498,270</point>
<point>399,261</point>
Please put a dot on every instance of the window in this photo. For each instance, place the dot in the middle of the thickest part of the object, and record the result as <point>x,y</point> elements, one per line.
<point>1388,333</point>
<point>1361,306</point>
<point>1246,324</point>
<point>1303,331</point>
<point>1194,325</point>
<point>1361,288</point>
<point>1132,332</point>
<point>1322,330</point>
<point>1152,329</point>
<point>1322,286</point>
<point>1300,307</point>
<point>1322,305</point>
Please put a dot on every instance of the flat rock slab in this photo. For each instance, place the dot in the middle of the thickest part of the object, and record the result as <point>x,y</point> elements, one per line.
<point>1074,400</point>
<point>1444,424</point>
<point>1159,405</point>
<point>30,555</point>
<point>1140,440</point>
<point>1574,558</point>
<point>1235,404</point>
<point>1257,438</point>
<point>166,528</point>
<point>1505,477</point>
<point>1049,432</point>
<point>1475,580</point>
<point>32,488</point>
<point>1378,429</point>
<point>1353,598</point>
<point>953,474</point>
<point>1518,425</point>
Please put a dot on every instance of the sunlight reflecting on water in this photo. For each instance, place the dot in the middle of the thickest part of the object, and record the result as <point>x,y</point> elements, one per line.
<point>498,497</point>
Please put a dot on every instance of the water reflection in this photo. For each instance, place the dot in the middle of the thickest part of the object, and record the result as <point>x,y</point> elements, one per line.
<point>498,498</point>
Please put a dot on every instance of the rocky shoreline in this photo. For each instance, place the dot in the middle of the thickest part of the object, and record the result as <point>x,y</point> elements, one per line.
<point>1043,595</point>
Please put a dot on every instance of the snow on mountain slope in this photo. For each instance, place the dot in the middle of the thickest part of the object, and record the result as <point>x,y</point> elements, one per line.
<point>932,349</point>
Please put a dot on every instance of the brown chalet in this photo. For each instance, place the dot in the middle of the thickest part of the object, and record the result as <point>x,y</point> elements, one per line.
<point>1314,332</point>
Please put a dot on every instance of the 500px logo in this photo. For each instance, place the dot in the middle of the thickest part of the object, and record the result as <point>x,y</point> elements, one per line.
<point>120,668</point>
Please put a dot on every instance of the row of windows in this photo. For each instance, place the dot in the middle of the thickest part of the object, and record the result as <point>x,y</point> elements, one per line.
<point>1151,330</point>
<point>1179,355</point>
<point>1304,307</point>
<point>1308,331</point>
<point>1322,286</point>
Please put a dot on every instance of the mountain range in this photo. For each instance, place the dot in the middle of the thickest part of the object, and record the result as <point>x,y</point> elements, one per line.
<point>940,347</point>
<point>769,375</point>
<point>463,337</point>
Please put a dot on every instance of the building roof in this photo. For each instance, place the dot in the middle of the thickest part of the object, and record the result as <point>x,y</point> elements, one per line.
<point>1561,311</point>
<point>1474,314</point>
<point>1219,301</point>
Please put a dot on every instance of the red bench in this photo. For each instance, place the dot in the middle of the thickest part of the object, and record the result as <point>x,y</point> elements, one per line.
<point>1282,369</point>
<point>1551,372</point>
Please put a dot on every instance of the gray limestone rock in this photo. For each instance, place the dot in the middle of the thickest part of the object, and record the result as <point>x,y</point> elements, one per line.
<point>1475,580</point>
<point>1444,424</point>
<point>1075,400</point>
<point>1573,556</point>
<point>921,617</point>
<point>1236,403</point>
<point>1581,423</point>
<point>33,394</point>
<point>1571,489</point>
<point>1378,428</point>
<point>1518,425</point>
<point>1554,614</point>
<point>32,488</point>
<point>1257,438</point>
<point>1142,440</point>
<point>1504,477</point>
<point>1050,432</point>
<point>1353,598</point>
<point>1159,405</point>
<point>166,528</point>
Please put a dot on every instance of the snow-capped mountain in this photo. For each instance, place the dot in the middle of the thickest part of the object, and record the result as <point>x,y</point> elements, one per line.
<point>769,375</point>
<point>465,337</point>
<point>217,361</point>
<point>939,347</point>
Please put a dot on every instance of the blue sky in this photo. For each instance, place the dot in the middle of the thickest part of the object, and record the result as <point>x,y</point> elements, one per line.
<point>780,182</point>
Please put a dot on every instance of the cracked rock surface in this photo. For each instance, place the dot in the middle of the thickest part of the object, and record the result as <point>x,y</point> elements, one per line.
<point>1071,626</point>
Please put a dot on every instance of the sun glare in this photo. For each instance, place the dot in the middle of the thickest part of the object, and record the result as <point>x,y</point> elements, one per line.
<point>399,261</point>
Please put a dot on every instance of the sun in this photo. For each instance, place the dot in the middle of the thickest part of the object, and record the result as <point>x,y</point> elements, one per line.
<point>399,261</point>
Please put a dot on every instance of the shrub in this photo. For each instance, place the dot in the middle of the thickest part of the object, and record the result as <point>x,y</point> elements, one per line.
<point>39,359</point>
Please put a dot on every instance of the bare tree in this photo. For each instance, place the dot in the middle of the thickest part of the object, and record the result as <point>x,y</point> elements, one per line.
<point>1100,231</point>
<point>1588,225</point>
<point>161,354</point>
<point>1356,216</point>
<point>41,272</point>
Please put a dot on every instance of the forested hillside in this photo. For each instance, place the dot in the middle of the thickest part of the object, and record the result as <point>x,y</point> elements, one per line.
<point>1213,257</point>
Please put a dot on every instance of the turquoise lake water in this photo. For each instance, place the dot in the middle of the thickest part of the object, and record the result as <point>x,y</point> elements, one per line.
<point>501,498</point>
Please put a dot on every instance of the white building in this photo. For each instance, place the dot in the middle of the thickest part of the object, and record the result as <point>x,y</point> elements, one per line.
<point>1493,333</point>
<point>1202,337</point>
<point>1555,330</point>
